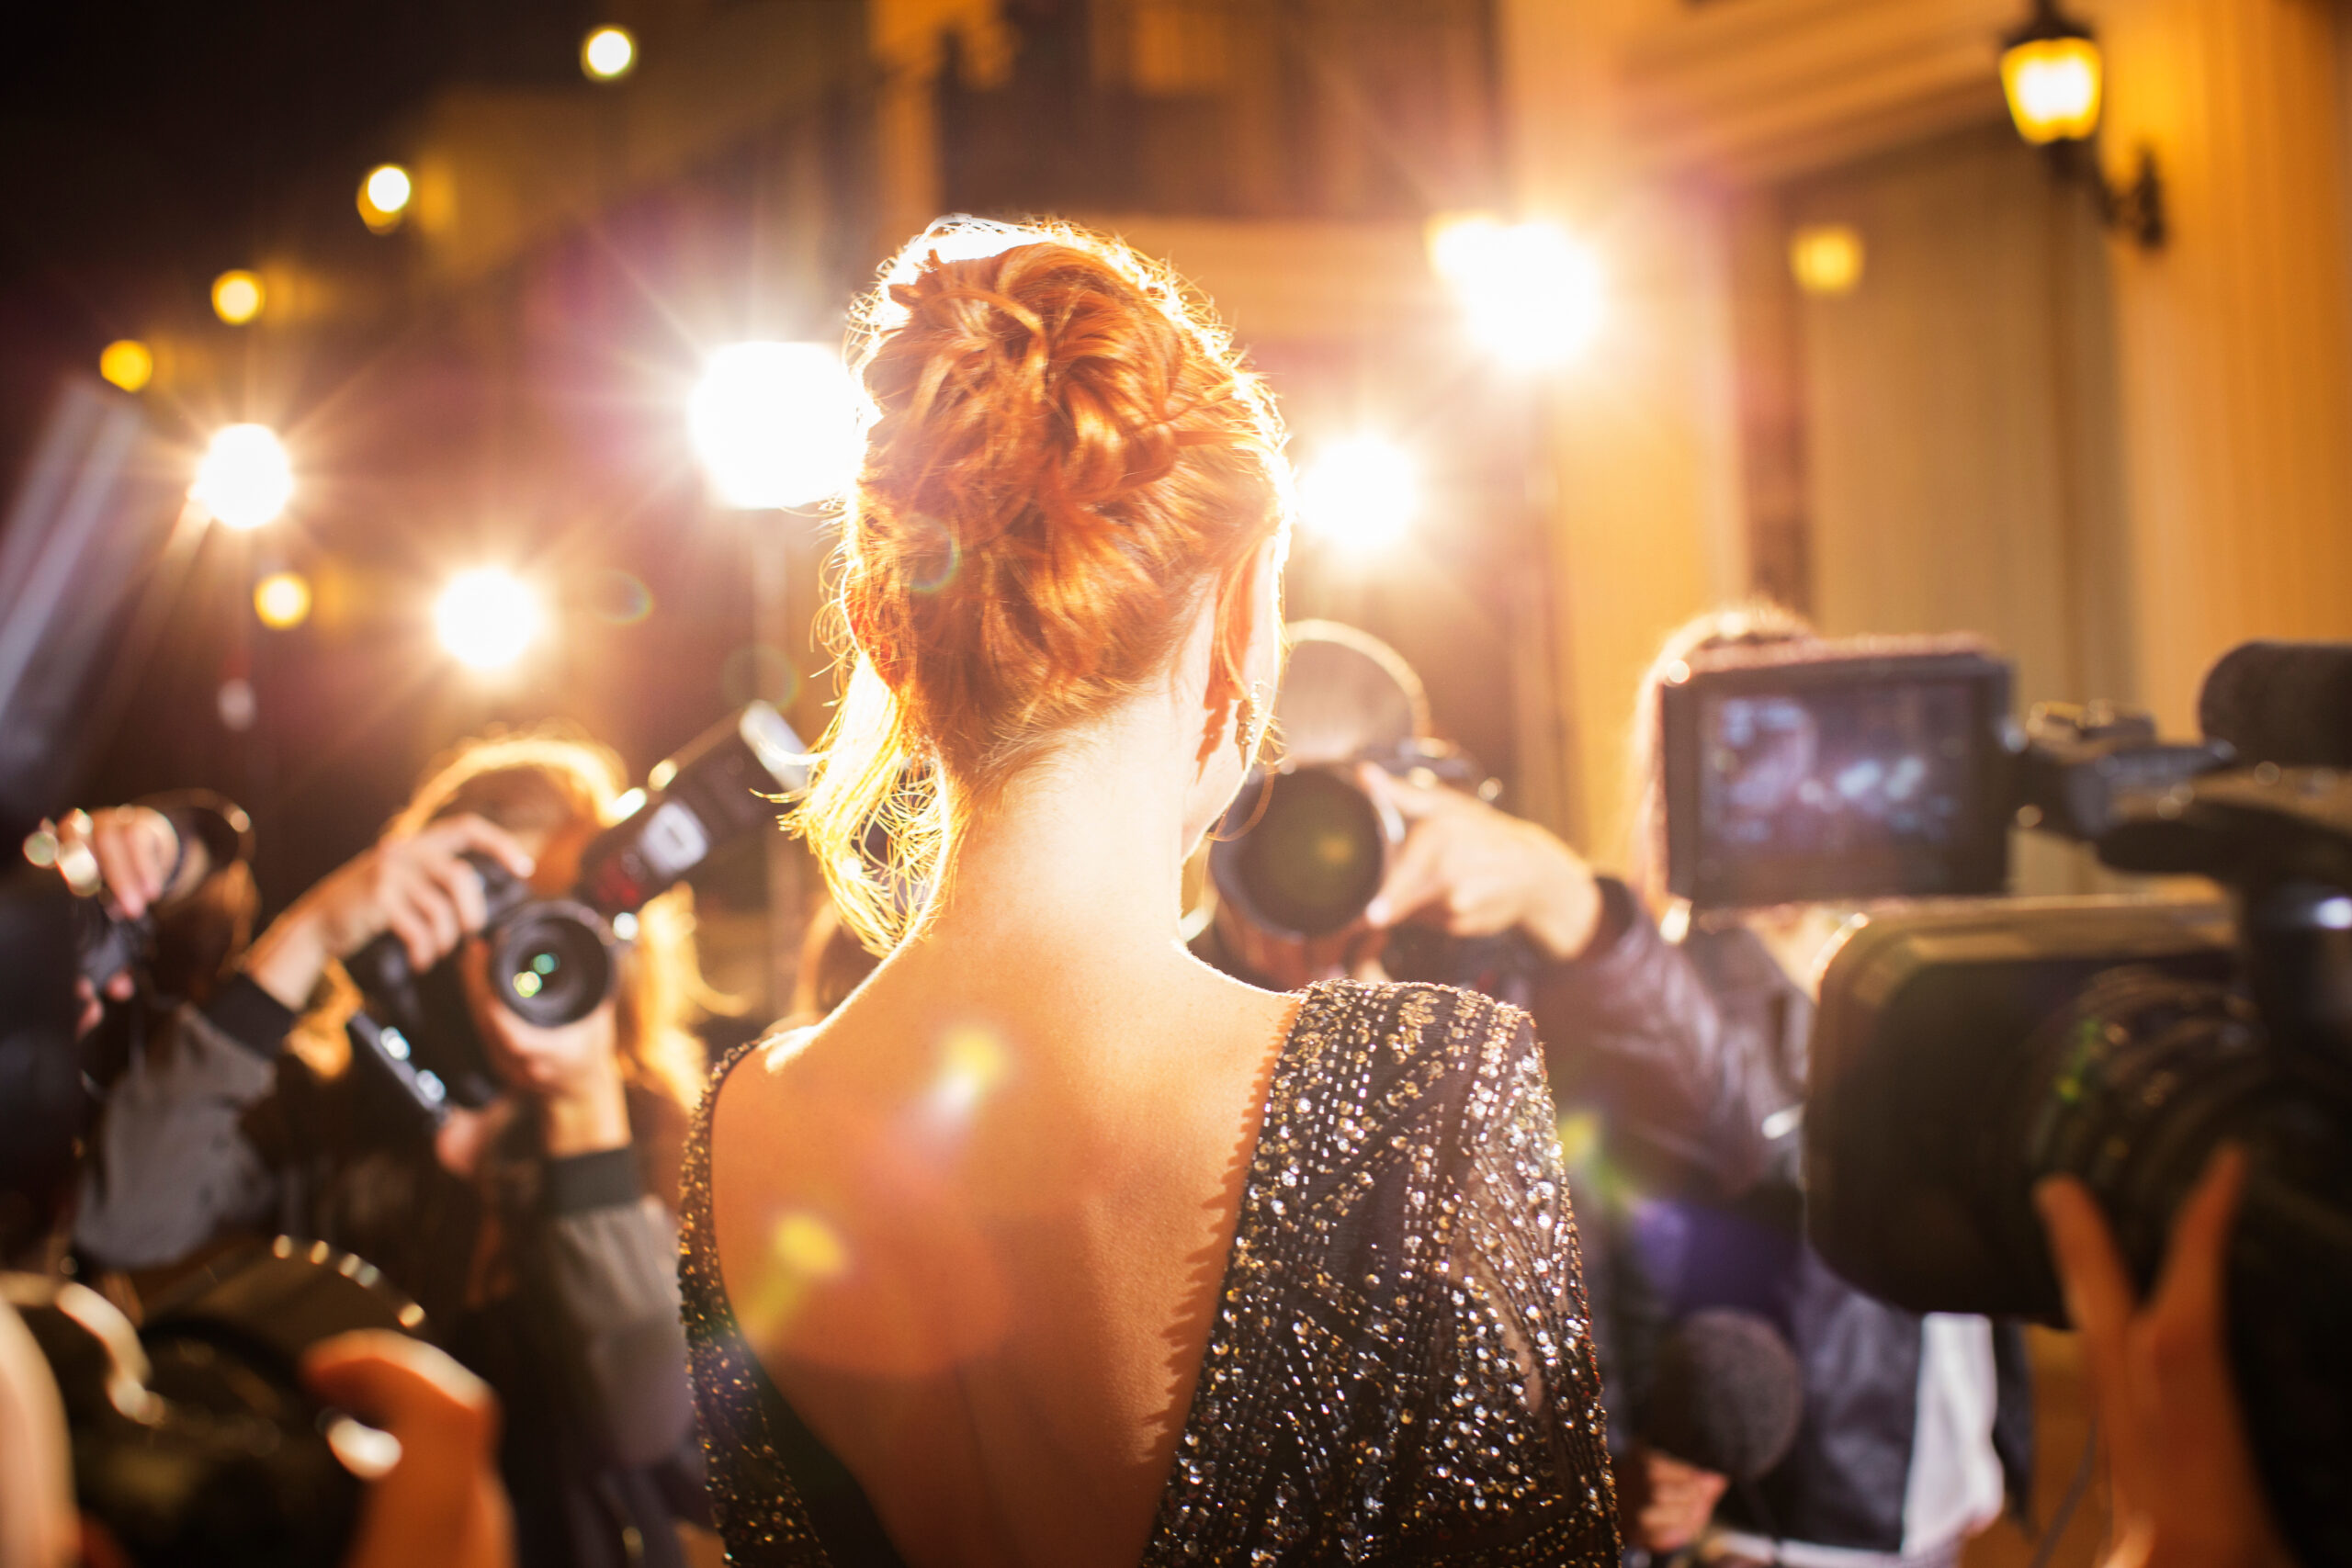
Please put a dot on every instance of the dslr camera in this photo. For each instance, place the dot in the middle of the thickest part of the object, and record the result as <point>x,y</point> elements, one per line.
<point>1965,1049</point>
<point>554,961</point>
<point>1303,850</point>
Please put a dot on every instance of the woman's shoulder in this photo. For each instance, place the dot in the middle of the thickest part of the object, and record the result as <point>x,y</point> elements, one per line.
<point>1414,1019</point>
<point>1389,1050</point>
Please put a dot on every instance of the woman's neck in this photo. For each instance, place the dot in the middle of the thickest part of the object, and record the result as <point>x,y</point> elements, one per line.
<point>1081,855</point>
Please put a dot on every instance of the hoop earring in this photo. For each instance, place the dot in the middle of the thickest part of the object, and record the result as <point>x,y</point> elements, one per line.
<point>1265,793</point>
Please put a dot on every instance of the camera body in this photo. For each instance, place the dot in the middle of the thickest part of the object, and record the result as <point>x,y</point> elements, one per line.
<point>554,961</point>
<point>193,1440</point>
<point>1964,1049</point>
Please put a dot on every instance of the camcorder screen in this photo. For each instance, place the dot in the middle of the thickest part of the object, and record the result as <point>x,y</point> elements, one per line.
<point>1809,774</point>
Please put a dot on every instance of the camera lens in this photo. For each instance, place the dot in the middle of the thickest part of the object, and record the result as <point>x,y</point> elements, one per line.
<point>1314,857</point>
<point>552,962</point>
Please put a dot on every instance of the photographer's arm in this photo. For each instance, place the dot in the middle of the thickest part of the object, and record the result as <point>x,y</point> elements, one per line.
<point>171,1164</point>
<point>1626,1022</point>
<point>605,1256</point>
<point>1685,1081</point>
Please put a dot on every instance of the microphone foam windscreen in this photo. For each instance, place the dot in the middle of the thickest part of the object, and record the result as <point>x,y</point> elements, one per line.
<point>2288,702</point>
<point>1728,1395</point>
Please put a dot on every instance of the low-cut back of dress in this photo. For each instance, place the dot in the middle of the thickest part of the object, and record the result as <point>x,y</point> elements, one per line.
<point>1399,1370</point>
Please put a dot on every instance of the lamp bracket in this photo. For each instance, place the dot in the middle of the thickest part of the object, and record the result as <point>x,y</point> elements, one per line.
<point>2135,210</point>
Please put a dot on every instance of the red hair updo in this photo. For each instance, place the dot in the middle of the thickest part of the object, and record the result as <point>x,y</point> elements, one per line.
<point>1066,455</point>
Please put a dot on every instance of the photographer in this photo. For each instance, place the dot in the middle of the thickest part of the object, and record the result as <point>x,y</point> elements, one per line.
<point>1913,1428</point>
<point>536,1232</point>
<point>1473,896</point>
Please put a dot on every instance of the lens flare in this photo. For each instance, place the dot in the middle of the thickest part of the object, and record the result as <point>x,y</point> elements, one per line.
<point>282,600</point>
<point>237,297</point>
<point>1361,494</point>
<point>127,363</point>
<point>972,1061</point>
<point>608,54</point>
<point>1529,295</point>
<point>776,424</point>
<point>245,479</point>
<point>486,618</point>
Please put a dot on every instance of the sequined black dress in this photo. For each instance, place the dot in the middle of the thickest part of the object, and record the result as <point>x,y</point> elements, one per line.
<point>1399,1370</point>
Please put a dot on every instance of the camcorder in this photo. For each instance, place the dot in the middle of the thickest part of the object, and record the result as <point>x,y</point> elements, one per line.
<point>1303,850</point>
<point>1964,1050</point>
<point>193,1442</point>
<point>554,961</point>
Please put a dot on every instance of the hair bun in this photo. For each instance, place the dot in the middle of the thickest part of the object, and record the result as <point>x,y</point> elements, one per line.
<point>1065,454</point>
<point>1026,382</point>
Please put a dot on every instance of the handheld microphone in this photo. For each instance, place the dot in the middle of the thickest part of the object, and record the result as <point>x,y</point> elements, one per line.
<point>2285,703</point>
<point>1727,1396</point>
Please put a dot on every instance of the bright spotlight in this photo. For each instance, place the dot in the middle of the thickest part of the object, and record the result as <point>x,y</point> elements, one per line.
<point>282,600</point>
<point>485,618</point>
<point>237,297</point>
<point>1360,494</point>
<point>1531,296</point>
<point>776,424</point>
<point>127,363</point>
<point>245,480</point>
<point>384,196</point>
<point>608,54</point>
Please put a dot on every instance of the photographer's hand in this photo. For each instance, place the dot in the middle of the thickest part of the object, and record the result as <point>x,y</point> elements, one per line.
<point>441,1504</point>
<point>2180,1474</point>
<point>135,850</point>
<point>572,1070</point>
<point>414,885</point>
<point>1478,872</point>
<point>1675,1501</point>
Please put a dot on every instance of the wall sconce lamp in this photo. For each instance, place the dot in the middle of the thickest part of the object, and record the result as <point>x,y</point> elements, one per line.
<point>2052,76</point>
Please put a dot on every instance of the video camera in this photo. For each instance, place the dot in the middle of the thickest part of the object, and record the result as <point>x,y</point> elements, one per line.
<point>1963,1051</point>
<point>193,1442</point>
<point>554,961</point>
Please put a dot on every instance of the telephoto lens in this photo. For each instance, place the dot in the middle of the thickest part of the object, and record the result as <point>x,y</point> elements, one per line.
<point>552,961</point>
<point>1303,852</point>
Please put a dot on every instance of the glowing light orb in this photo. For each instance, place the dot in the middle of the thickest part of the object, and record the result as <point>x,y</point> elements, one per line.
<point>237,297</point>
<point>384,197</point>
<point>245,479</point>
<point>1529,295</point>
<point>608,54</point>
<point>776,424</point>
<point>1361,494</point>
<point>486,618</point>
<point>127,363</point>
<point>972,1061</point>
<point>282,600</point>
<point>807,1247</point>
<point>1826,259</point>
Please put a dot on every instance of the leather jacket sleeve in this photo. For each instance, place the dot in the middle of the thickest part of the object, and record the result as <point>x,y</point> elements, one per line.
<point>1684,1082</point>
<point>606,1264</point>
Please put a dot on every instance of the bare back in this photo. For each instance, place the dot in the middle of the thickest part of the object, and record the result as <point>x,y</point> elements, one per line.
<point>973,1236</point>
